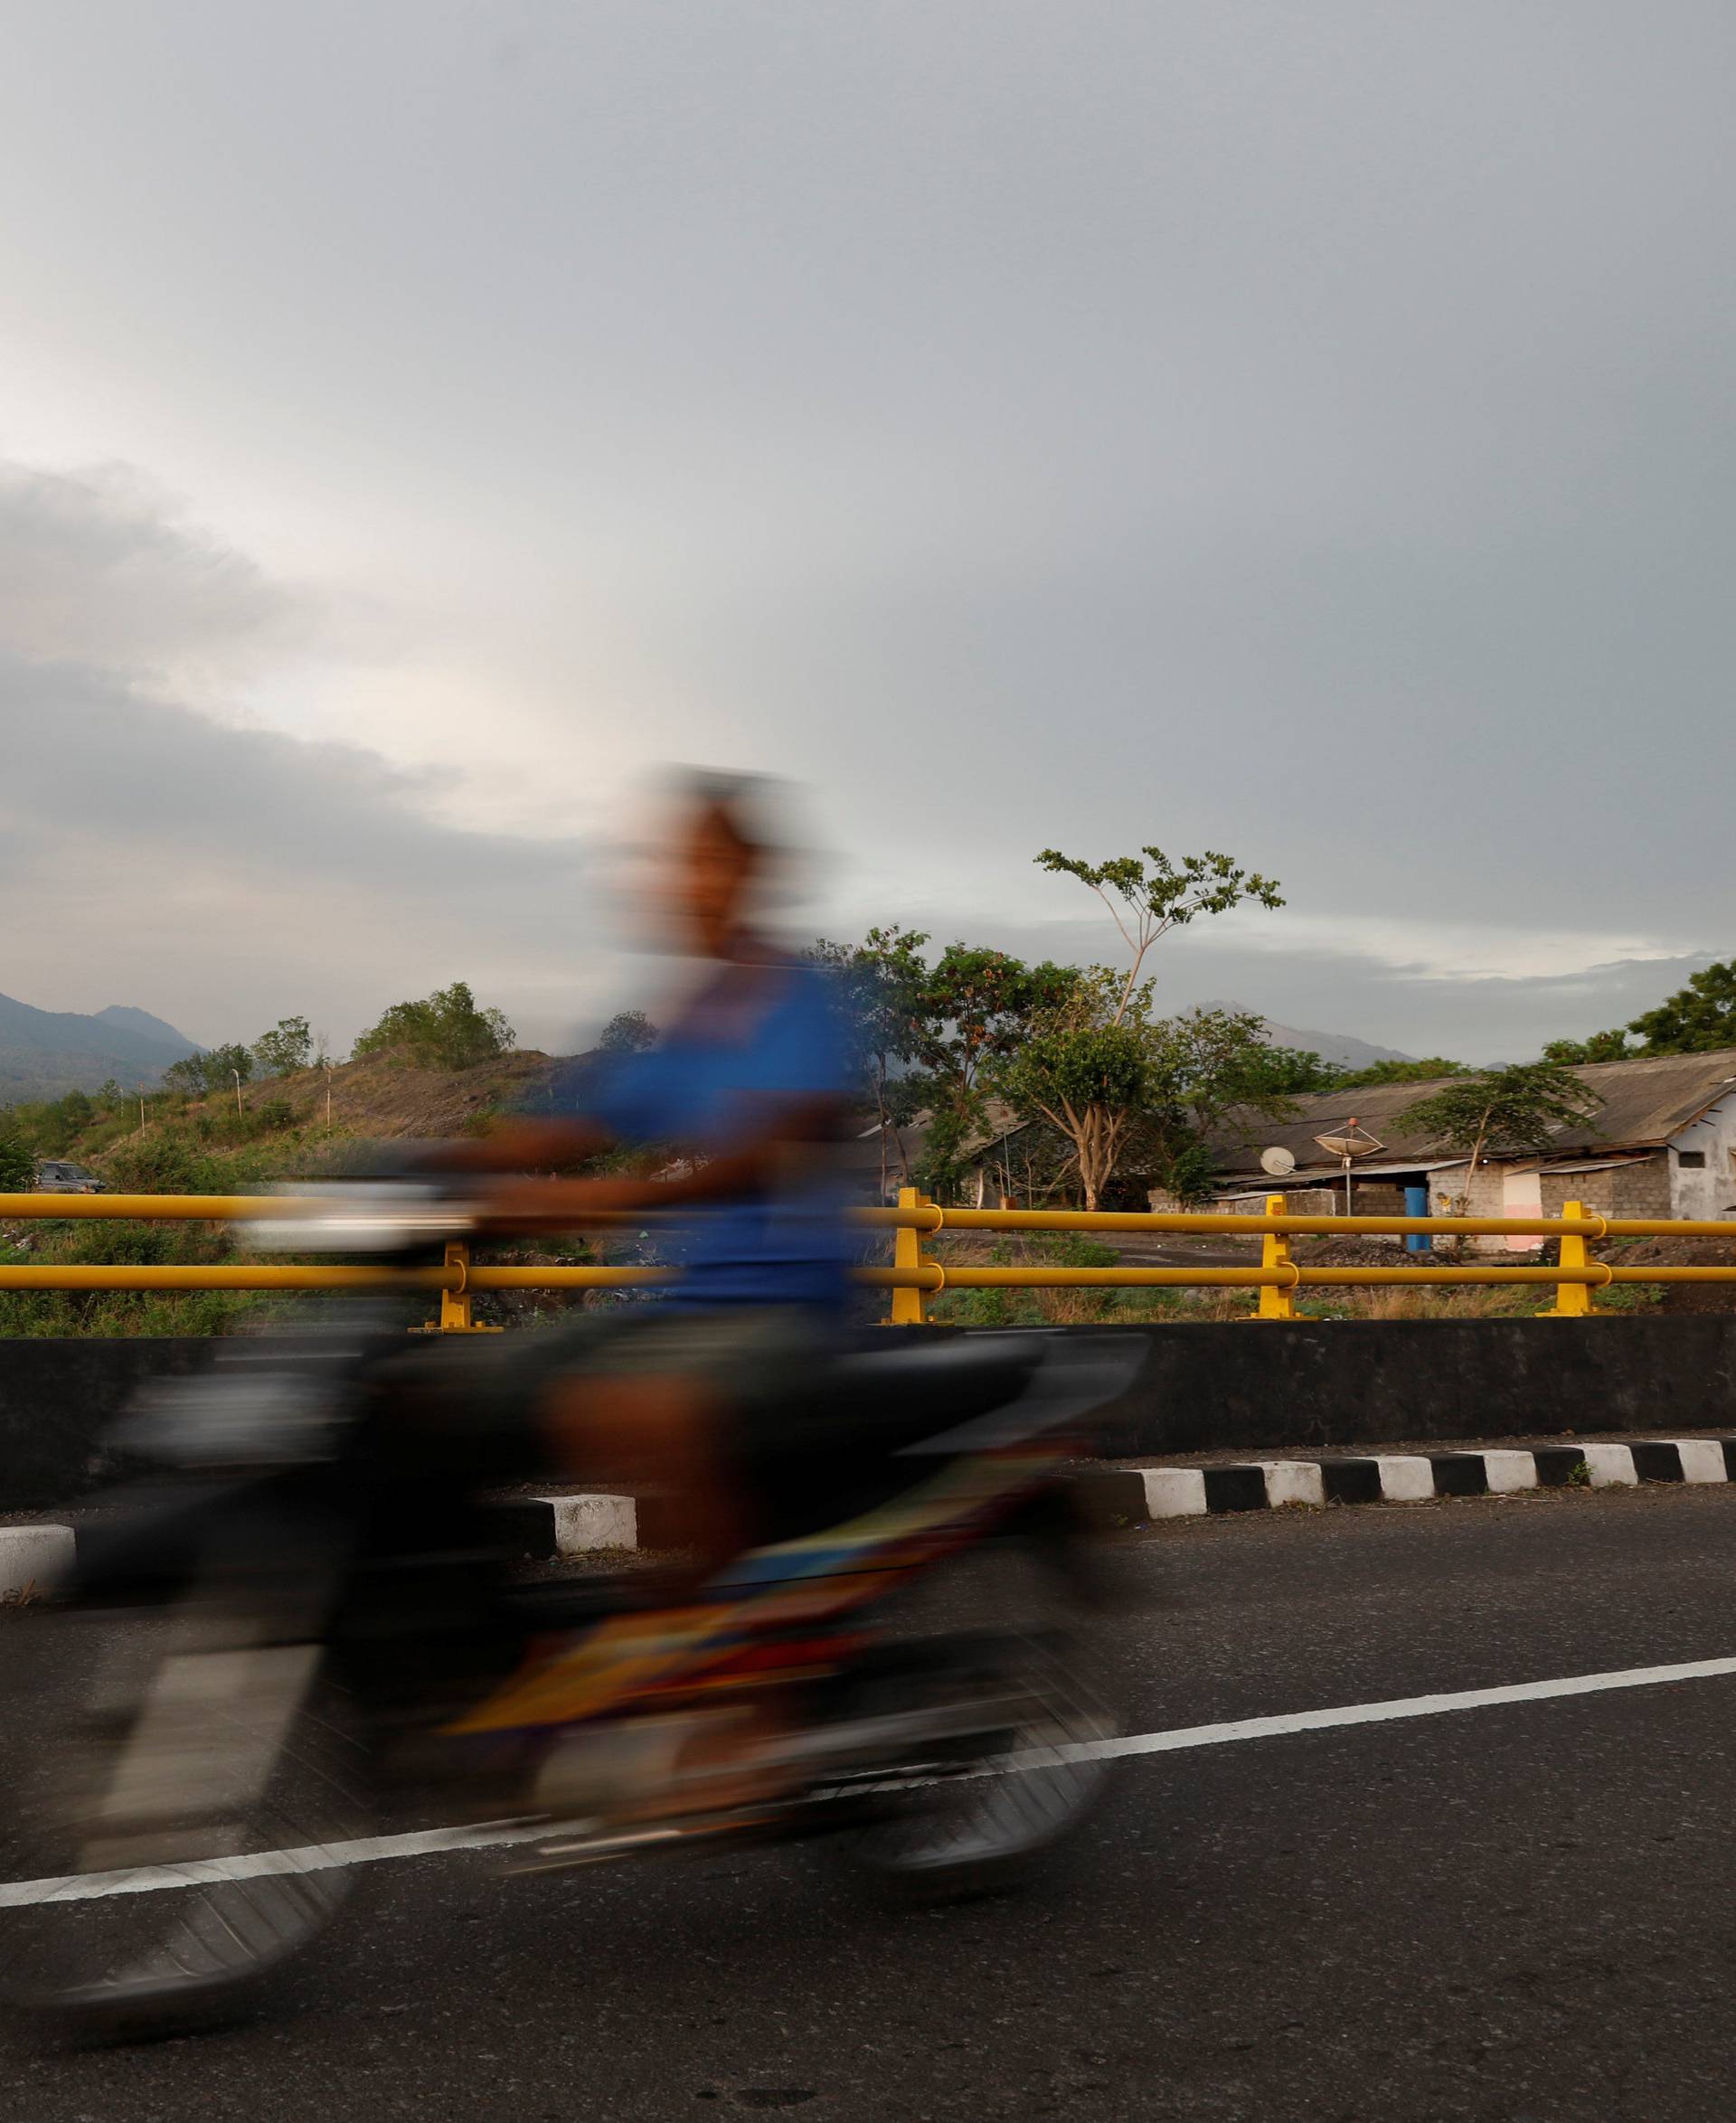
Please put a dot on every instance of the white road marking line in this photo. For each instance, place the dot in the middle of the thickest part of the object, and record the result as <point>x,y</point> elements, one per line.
<point>322,1857</point>
<point>1402,1706</point>
<point>502,1835</point>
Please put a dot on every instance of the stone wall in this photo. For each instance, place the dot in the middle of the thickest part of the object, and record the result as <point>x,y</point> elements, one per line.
<point>1227,1385</point>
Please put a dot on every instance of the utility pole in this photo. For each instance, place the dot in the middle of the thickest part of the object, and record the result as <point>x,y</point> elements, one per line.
<point>237,1075</point>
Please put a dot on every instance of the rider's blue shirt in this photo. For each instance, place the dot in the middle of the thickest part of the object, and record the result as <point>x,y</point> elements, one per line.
<point>704,1087</point>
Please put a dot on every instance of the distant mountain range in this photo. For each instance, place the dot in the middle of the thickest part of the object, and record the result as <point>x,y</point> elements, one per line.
<point>44,1052</point>
<point>1348,1053</point>
<point>1341,1047</point>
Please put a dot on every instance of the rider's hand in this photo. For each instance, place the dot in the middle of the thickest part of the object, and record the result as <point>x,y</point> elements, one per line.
<point>559,1204</point>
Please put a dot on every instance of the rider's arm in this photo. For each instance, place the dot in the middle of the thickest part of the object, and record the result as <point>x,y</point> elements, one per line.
<point>777,1132</point>
<point>529,1145</point>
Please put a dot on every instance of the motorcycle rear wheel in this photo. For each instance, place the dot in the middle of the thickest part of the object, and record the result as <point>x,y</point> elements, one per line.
<point>981,1815</point>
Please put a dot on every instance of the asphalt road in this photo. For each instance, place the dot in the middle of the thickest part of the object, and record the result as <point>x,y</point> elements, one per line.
<point>1521,1911</point>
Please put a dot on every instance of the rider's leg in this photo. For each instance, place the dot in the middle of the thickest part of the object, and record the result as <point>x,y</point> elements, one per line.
<point>656,1427</point>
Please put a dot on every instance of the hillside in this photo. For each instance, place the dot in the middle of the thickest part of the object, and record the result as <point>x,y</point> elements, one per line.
<point>205,1146</point>
<point>383,1099</point>
<point>46,1052</point>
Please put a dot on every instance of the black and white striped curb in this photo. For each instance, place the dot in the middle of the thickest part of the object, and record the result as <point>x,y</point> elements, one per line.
<point>34,1560</point>
<point>1138,1495</point>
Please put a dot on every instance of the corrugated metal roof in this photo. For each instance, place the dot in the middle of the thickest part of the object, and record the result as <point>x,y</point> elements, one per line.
<point>1645,1104</point>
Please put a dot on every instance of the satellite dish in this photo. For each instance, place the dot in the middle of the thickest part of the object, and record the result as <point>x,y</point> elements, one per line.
<point>1354,1142</point>
<point>1278,1161</point>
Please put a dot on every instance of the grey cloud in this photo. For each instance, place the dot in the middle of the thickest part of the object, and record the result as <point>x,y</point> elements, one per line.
<point>1476,1019</point>
<point>221,875</point>
<point>1302,430</point>
<point>94,568</point>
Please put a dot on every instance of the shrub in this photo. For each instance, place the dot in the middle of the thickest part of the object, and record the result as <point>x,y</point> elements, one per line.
<point>446,1030</point>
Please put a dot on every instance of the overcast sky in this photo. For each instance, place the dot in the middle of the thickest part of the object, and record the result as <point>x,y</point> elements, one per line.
<point>1300,429</point>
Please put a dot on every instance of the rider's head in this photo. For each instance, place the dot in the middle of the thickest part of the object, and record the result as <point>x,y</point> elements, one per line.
<point>722,851</point>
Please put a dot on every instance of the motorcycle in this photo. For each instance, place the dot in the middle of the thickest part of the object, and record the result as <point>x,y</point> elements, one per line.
<point>290,1627</point>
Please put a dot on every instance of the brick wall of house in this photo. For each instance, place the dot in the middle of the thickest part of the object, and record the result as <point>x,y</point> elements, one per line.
<point>1624,1190</point>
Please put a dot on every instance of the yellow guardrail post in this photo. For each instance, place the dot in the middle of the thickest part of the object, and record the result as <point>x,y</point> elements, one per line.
<point>910,1307</point>
<point>1573,1300</point>
<point>1277,1300</point>
<point>455,1303</point>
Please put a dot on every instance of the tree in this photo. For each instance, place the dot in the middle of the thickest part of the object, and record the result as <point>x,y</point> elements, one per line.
<point>186,1076</point>
<point>18,1166</point>
<point>969,1011</point>
<point>1430,1068</point>
<point>444,1030</point>
<point>1292,1071</point>
<point>1515,1109</point>
<point>1697,1019</point>
<point>222,1064</point>
<point>289,1045</point>
<point>211,1072</point>
<point>1085,1068</point>
<point>1147,895</point>
<point>1207,1065</point>
<point>1602,1046</point>
<point>628,1032</point>
<point>881,982</point>
<point>1156,1088</point>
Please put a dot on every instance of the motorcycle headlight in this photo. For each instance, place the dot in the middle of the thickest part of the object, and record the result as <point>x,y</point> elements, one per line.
<point>359,1218</point>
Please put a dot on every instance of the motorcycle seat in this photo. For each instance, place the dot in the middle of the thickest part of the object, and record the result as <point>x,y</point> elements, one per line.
<point>883,1400</point>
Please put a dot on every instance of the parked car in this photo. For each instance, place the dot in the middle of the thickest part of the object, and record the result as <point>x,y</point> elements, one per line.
<point>60,1175</point>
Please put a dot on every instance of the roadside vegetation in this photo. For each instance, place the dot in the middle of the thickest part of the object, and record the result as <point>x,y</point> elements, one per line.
<point>1109,1091</point>
<point>233,1120</point>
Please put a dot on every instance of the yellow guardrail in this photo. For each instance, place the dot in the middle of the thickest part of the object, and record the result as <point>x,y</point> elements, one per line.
<point>914,1277</point>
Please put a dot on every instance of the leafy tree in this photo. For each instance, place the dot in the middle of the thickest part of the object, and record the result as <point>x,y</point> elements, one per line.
<point>446,1030</point>
<point>1208,1065</point>
<point>970,1011</point>
<point>211,1072</point>
<point>1119,1085</point>
<point>1086,1068</point>
<point>1147,895</point>
<point>1515,1109</point>
<point>1427,1070</point>
<point>1602,1046</point>
<point>1291,1073</point>
<point>1697,1019</point>
<point>289,1045</point>
<point>224,1064</point>
<point>628,1032</point>
<point>186,1076</point>
<point>881,981</point>
<point>18,1166</point>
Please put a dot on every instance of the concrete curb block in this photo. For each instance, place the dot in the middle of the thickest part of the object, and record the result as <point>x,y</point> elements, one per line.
<point>1143,1495</point>
<point>34,1559</point>
<point>570,1525</point>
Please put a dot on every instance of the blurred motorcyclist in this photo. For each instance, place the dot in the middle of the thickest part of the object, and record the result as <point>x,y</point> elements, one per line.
<point>742,1095</point>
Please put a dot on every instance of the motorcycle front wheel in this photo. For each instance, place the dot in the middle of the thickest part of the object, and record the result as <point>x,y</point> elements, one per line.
<point>174,1806</point>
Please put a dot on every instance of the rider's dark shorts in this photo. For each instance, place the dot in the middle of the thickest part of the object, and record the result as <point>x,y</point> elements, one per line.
<point>481,1402</point>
